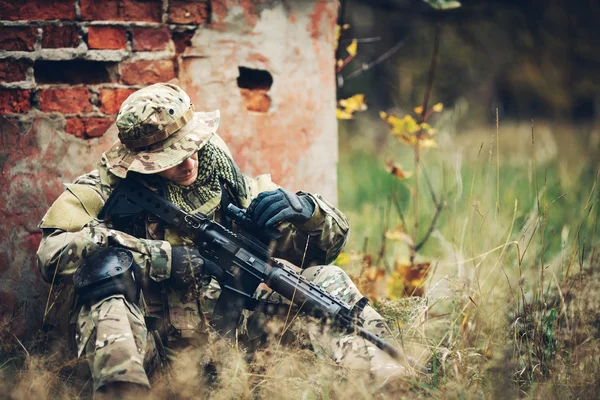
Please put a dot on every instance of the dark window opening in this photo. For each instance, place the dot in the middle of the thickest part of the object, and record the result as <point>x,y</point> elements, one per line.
<point>254,79</point>
<point>75,72</point>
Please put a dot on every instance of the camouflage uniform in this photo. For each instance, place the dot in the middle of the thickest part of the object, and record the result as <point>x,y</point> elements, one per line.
<point>113,333</point>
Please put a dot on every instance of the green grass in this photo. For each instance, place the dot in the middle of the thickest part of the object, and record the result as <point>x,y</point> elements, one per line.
<point>501,310</point>
<point>469,187</point>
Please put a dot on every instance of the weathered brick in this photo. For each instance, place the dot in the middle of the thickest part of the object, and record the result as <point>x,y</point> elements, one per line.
<point>106,37</point>
<point>15,10</point>
<point>68,100</point>
<point>59,36</point>
<point>121,10</point>
<point>150,39</point>
<point>256,99</point>
<point>18,38</point>
<point>75,127</point>
<point>14,101</point>
<point>188,12</point>
<point>95,127</point>
<point>147,72</point>
<point>14,70</point>
<point>88,127</point>
<point>111,99</point>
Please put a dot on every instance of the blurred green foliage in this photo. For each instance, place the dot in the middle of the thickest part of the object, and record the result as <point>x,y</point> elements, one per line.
<point>479,209</point>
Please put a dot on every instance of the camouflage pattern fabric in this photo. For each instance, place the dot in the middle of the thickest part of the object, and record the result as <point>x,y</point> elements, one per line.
<point>63,248</point>
<point>158,129</point>
<point>113,337</point>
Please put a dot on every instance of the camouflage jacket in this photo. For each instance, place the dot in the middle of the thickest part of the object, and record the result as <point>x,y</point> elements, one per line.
<point>71,231</point>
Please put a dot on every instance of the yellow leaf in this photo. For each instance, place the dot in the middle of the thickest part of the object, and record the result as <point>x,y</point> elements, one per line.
<point>401,126</point>
<point>395,287</point>
<point>396,170</point>
<point>342,259</point>
<point>427,143</point>
<point>354,103</point>
<point>352,48</point>
<point>342,114</point>
<point>418,110</point>
<point>438,107</point>
<point>413,276</point>
<point>383,114</point>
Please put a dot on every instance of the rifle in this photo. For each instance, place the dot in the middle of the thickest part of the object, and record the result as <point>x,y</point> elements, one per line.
<point>240,262</point>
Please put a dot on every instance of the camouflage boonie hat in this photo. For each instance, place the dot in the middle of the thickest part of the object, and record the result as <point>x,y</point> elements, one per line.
<point>158,129</point>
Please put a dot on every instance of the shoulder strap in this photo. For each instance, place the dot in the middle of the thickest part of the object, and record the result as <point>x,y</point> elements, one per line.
<point>225,201</point>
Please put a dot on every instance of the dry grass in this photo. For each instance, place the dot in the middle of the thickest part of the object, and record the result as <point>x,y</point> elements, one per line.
<point>511,306</point>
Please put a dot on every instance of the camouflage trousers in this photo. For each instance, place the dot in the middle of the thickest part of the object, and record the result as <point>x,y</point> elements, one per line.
<point>119,348</point>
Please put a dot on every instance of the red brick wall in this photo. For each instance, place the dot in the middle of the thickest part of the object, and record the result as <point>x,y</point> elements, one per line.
<point>126,44</point>
<point>65,68</point>
<point>67,65</point>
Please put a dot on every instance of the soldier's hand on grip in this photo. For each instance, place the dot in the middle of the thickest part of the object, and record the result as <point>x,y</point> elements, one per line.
<point>270,208</point>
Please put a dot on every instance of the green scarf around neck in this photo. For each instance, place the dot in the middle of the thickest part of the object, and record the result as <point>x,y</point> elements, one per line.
<point>214,167</point>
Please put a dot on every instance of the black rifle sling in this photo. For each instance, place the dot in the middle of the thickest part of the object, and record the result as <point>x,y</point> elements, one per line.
<point>225,201</point>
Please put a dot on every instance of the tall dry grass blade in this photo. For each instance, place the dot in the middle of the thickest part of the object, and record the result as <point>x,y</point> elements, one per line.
<point>48,307</point>
<point>587,210</point>
<point>512,224</point>
<point>497,164</point>
<point>285,324</point>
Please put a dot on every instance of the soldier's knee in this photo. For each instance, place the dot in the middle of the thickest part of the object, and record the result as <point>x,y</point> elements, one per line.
<point>336,281</point>
<point>114,338</point>
<point>329,273</point>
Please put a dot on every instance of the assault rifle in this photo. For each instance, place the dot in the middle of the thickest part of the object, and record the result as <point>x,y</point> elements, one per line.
<point>240,262</point>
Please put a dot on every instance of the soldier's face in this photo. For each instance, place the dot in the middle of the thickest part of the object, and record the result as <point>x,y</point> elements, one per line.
<point>183,174</point>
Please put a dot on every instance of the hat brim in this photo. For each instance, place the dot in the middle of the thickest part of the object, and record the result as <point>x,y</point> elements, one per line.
<point>165,154</point>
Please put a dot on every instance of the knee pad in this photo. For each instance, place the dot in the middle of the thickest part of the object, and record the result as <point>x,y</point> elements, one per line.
<point>104,273</point>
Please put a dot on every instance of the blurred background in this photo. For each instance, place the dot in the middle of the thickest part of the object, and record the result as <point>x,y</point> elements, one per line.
<point>532,63</point>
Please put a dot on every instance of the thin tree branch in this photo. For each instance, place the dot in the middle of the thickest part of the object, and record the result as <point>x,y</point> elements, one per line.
<point>365,67</point>
<point>396,202</point>
<point>438,210</point>
<point>363,40</point>
<point>432,68</point>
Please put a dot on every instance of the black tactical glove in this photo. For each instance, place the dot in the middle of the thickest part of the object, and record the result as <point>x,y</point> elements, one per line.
<point>187,265</point>
<point>270,208</point>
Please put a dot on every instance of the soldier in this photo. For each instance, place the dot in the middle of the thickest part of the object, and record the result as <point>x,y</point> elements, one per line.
<point>122,327</point>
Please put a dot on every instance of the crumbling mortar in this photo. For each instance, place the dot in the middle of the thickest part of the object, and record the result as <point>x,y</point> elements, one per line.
<point>165,10</point>
<point>17,85</point>
<point>77,10</point>
<point>152,55</point>
<point>34,99</point>
<point>94,99</point>
<point>129,40</point>
<point>38,40</point>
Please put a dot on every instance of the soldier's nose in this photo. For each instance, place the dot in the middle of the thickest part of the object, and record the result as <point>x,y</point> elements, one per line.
<point>187,164</point>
